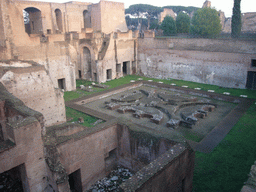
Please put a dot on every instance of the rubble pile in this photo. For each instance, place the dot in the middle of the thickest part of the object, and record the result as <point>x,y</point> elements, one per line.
<point>112,181</point>
<point>8,183</point>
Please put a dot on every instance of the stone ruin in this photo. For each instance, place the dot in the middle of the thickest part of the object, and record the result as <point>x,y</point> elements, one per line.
<point>153,104</point>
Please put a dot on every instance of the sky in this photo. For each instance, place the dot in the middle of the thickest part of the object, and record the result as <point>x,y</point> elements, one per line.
<point>223,5</point>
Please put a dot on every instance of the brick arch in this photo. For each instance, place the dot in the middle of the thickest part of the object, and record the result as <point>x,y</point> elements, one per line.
<point>33,20</point>
<point>87,58</point>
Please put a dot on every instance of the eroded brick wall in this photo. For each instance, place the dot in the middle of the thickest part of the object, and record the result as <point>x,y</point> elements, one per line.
<point>219,62</point>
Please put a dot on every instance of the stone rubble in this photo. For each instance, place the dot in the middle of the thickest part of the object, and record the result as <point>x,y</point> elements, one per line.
<point>112,181</point>
<point>7,183</point>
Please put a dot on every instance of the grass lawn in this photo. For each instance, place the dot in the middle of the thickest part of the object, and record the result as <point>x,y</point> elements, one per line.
<point>228,166</point>
<point>74,114</point>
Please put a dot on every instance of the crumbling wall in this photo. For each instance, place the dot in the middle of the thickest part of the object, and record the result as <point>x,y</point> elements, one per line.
<point>138,149</point>
<point>223,63</point>
<point>112,17</point>
<point>25,147</point>
<point>121,48</point>
<point>166,12</point>
<point>88,153</point>
<point>34,87</point>
<point>249,22</point>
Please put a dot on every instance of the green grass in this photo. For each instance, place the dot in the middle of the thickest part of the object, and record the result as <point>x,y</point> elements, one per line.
<point>70,95</point>
<point>88,120</point>
<point>228,166</point>
<point>192,136</point>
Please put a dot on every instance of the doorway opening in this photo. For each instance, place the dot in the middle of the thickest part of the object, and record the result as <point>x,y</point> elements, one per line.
<point>61,83</point>
<point>251,80</point>
<point>109,74</point>
<point>79,74</point>
<point>74,180</point>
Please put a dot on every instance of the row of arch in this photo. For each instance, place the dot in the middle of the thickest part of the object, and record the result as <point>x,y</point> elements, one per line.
<point>33,20</point>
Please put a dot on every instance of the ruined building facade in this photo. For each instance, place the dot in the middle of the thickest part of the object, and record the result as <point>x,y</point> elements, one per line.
<point>45,47</point>
<point>71,40</point>
<point>58,43</point>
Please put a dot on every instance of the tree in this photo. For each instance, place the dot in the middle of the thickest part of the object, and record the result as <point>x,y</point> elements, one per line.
<point>205,23</point>
<point>178,9</point>
<point>236,23</point>
<point>168,26</point>
<point>149,11</point>
<point>182,23</point>
<point>154,24</point>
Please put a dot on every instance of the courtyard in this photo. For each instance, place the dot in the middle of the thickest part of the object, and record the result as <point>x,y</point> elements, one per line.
<point>227,166</point>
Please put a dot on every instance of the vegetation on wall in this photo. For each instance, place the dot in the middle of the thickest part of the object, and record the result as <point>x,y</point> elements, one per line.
<point>236,23</point>
<point>205,23</point>
<point>168,26</point>
<point>182,23</point>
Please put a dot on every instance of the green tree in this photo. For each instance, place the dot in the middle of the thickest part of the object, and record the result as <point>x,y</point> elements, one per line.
<point>236,23</point>
<point>154,24</point>
<point>178,9</point>
<point>205,23</point>
<point>182,23</point>
<point>169,26</point>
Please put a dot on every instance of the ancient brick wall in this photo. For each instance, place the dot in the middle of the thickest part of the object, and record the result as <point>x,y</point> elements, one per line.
<point>249,22</point>
<point>34,87</point>
<point>23,144</point>
<point>219,62</point>
<point>112,17</point>
<point>176,176</point>
<point>166,12</point>
<point>88,154</point>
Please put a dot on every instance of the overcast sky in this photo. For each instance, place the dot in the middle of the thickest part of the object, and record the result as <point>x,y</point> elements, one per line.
<point>224,5</point>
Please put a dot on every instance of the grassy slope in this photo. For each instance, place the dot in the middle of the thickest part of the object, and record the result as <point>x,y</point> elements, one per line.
<point>227,167</point>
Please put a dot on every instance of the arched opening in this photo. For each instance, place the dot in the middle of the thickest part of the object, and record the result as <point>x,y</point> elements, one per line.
<point>87,63</point>
<point>58,16</point>
<point>87,19</point>
<point>32,20</point>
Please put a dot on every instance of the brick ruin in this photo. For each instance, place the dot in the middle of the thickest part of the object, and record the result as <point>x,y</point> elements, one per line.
<point>45,47</point>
